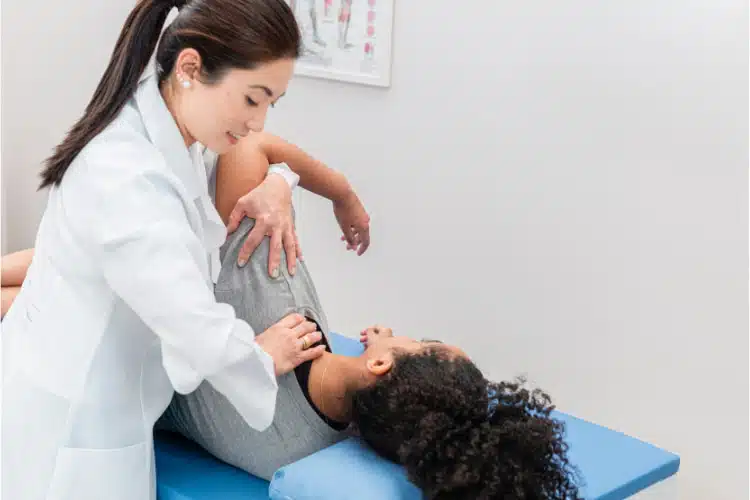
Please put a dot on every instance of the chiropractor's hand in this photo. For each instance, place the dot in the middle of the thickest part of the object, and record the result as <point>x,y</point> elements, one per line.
<point>288,343</point>
<point>270,204</point>
<point>353,221</point>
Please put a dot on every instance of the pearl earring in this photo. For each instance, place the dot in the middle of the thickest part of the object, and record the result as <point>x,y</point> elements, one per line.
<point>186,84</point>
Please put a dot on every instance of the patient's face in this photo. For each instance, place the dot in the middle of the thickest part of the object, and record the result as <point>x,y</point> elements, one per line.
<point>385,347</point>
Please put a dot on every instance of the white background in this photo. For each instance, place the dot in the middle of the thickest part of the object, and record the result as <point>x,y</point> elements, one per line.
<point>558,187</point>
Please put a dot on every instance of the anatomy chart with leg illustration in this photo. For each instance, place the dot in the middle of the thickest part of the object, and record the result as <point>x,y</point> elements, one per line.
<point>347,40</point>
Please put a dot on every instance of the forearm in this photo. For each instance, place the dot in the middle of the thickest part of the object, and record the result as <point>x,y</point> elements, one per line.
<point>14,267</point>
<point>314,175</point>
<point>8,295</point>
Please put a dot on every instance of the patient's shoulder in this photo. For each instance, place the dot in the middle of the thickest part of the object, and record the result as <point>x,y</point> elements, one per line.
<point>238,172</point>
<point>248,152</point>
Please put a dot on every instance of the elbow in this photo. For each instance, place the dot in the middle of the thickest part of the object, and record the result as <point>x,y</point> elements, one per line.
<point>184,384</point>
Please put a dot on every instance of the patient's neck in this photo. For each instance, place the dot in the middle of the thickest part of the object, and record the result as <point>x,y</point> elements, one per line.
<point>333,381</point>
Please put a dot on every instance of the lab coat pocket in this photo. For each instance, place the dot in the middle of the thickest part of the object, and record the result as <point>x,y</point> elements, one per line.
<point>96,474</point>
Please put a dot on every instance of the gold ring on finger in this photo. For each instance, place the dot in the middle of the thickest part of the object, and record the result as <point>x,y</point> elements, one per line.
<point>305,343</point>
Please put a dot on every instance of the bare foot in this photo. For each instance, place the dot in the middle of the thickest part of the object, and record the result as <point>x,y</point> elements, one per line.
<point>371,335</point>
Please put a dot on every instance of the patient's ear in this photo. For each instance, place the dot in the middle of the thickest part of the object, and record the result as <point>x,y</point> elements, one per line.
<point>380,365</point>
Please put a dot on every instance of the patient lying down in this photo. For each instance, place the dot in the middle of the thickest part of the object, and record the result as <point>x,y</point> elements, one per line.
<point>420,403</point>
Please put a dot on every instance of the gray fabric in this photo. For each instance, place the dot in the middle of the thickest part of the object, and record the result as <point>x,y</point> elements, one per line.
<point>207,418</point>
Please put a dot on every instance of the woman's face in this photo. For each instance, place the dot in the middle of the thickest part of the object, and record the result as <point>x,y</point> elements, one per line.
<point>380,356</point>
<point>412,346</point>
<point>220,113</point>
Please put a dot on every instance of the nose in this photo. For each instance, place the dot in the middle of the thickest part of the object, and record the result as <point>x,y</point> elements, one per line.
<point>257,121</point>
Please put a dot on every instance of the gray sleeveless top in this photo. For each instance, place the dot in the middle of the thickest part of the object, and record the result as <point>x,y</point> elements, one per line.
<point>206,417</point>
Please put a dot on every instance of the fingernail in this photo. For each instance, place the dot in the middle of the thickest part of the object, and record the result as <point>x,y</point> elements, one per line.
<point>294,270</point>
<point>275,273</point>
<point>241,262</point>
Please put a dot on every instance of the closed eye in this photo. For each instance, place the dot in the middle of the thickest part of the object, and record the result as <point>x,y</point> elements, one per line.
<point>251,102</point>
<point>430,341</point>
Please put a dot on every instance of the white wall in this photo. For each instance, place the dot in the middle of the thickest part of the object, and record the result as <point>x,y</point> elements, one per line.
<point>558,187</point>
<point>53,54</point>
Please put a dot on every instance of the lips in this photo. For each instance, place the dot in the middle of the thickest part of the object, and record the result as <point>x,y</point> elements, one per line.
<point>233,138</point>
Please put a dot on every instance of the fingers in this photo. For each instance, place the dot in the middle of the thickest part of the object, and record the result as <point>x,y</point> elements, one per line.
<point>358,239</point>
<point>274,254</point>
<point>349,237</point>
<point>234,219</point>
<point>350,245</point>
<point>309,339</point>
<point>304,328</point>
<point>291,321</point>
<point>310,354</point>
<point>251,243</point>
<point>364,240</point>
<point>290,248</point>
<point>299,248</point>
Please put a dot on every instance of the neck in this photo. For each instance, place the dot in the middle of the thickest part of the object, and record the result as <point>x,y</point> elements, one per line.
<point>170,100</point>
<point>333,381</point>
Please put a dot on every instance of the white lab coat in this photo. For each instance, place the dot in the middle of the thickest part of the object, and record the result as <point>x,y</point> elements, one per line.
<point>116,313</point>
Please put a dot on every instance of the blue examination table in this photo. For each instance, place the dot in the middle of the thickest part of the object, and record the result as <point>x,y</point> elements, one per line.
<point>614,467</point>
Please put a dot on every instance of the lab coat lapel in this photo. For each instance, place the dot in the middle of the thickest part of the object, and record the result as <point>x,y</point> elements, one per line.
<point>187,164</point>
<point>163,132</point>
<point>215,231</point>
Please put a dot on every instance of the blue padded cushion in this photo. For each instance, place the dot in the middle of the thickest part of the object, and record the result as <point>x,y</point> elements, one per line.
<point>614,467</point>
<point>186,472</point>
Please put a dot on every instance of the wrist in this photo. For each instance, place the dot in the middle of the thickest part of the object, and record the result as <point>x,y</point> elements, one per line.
<point>260,341</point>
<point>278,181</point>
<point>284,172</point>
<point>343,192</point>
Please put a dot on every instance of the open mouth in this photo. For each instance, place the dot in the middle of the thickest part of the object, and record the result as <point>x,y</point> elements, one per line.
<point>233,138</point>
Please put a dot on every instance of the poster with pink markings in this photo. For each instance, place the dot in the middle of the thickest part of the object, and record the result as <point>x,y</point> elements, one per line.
<point>346,40</point>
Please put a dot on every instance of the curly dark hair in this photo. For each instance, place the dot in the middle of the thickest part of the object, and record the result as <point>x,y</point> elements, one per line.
<point>460,436</point>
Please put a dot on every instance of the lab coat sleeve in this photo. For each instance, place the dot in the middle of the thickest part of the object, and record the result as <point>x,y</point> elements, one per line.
<point>152,259</point>
<point>291,177</point>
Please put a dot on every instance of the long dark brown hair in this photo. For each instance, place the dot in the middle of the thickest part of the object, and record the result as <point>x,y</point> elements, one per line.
<point>460,436</point>
<point>227,34</point>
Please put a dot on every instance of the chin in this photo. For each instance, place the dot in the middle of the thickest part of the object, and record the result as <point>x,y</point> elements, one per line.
<point>219,147</point>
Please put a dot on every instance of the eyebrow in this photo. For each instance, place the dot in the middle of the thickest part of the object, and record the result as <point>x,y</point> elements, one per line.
<point>265,89</point>
<point>430,341</point>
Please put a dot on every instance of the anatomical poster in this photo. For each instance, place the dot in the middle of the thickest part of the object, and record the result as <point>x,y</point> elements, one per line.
<point>346,40</point>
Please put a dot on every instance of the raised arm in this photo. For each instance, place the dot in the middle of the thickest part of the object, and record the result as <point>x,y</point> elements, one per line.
<point>318,178</point>
<point>245,166</point>
<point>314,175</point>
<point>14,267</point>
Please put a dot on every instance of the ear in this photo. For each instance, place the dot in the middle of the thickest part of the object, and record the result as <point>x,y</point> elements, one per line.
<point>188,64</point>
<point>380,365</point>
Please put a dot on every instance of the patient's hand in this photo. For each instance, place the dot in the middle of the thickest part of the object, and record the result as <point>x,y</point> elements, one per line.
<point>353,221</point>
<point>371,335</point>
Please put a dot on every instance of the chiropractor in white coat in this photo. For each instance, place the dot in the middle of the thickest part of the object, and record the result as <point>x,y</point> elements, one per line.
<point>117,310</point>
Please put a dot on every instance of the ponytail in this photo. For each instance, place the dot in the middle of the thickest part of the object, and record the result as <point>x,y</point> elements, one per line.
<point>129,59</point>
<point>226,33</point>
